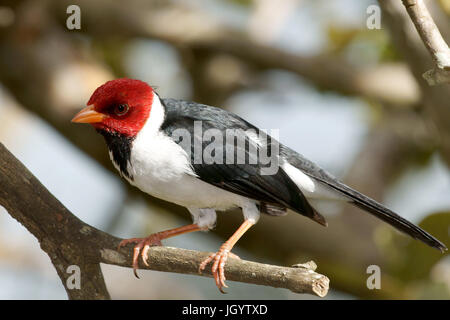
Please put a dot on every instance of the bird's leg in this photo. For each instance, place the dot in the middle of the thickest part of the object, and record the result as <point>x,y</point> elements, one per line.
<point>221,256</point>
<point>144,244</point>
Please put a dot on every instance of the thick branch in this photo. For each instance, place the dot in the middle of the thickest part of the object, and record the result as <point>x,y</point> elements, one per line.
<point>69,241</point>
<point>433,41</point>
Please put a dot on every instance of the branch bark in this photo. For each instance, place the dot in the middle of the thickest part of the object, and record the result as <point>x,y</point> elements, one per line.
<point>432,38</point>
<point>69,241</point>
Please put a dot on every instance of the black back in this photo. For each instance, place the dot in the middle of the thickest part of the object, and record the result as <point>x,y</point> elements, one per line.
<point>241,177</point>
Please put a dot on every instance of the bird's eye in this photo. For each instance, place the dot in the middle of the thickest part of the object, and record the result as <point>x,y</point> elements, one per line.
<point>121,109</point>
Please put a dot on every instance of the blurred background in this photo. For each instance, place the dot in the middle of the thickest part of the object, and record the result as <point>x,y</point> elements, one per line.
<point>350,98</point>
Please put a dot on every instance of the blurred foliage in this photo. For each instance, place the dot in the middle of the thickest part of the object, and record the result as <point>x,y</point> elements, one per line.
<point>418,255</point>
<point>111,52</point>
<point>245,3</point>
<point>412,262</point>
<point>445,5</point>
<point>341,39</point>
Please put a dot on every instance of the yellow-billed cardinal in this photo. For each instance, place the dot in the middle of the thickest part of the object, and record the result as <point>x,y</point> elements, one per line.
<point>163,147</point>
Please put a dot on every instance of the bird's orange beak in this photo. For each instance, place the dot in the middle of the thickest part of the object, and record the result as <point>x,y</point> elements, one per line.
<point>88,115</point>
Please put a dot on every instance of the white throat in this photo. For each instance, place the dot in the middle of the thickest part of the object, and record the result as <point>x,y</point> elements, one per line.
<point>155,157</point>
<point>155,118</point>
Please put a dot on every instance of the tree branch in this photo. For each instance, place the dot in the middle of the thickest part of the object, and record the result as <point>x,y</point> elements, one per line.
<point>435,98</point>
<point>69,241</point>
<point>298,278</point>
<point>432,38</point>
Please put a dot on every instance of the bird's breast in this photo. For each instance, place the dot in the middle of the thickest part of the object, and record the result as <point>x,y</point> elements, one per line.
<point>161,168</point>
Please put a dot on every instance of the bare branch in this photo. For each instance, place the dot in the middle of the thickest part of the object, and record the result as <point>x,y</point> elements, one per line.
<point>410,46</point>
<point>433,41</point>
<point>298,278</point>
<point>69,241</point>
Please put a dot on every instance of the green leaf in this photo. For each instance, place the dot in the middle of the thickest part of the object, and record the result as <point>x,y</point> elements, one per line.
<point>417,259</point>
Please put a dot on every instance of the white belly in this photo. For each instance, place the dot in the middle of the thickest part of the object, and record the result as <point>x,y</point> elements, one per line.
<point>160,167</point>
<point>187,191</point>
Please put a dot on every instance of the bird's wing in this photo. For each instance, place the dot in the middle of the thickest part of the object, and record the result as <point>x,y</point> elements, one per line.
<point>242,176</point>
<point>360,200</point>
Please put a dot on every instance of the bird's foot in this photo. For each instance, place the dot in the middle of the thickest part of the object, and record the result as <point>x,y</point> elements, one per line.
<point>142,247</point>
<point>143,244</point>
<point>218,267</point>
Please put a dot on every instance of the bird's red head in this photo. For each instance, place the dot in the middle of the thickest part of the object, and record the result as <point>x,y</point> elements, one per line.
<point>118,106</point>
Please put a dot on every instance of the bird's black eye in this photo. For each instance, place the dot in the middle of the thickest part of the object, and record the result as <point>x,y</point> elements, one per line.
<point>121,109</point>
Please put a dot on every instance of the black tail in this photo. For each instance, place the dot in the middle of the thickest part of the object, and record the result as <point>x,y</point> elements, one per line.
<point>400,223</point>
<point>388,216</point>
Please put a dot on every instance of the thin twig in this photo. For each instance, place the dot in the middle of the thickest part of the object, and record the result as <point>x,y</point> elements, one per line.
<point>433,41</point>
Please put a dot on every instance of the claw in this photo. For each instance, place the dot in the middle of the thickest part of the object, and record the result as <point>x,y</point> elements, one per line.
<point>136,251</point>
<point>127,241</point>
<point>205,263</point>
<point>145,254</point>
<point>143,244</point>
<point>218,267</point>
<point>141,249</point>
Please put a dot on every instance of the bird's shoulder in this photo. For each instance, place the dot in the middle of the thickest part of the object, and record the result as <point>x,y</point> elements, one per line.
<point>185,112</point>
<point>239,176</point>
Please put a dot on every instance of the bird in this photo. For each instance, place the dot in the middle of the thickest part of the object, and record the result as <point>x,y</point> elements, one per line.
<point>181,152</point>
